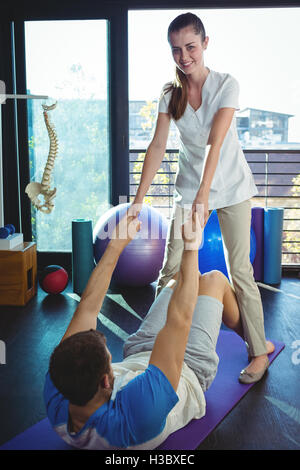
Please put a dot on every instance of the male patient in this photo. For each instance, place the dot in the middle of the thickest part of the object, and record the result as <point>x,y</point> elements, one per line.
<point>168,363</point>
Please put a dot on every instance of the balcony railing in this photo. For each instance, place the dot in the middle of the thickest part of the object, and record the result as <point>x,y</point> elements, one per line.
<point>277,177</point>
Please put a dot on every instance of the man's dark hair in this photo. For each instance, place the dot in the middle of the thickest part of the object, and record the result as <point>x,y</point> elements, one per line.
<point>77,365</point>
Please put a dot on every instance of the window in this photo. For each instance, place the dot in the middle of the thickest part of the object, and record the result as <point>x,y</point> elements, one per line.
<point>257,46</point>
<point>67,61</point>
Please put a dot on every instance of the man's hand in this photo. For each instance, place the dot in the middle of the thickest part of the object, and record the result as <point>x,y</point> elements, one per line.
<point>125,231</point>
<point>192,231</point>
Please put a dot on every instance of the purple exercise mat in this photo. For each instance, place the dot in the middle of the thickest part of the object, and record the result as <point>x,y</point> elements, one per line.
<point>224,393</point>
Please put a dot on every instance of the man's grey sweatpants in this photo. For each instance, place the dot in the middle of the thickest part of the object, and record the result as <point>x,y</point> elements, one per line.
<point>200,353</point>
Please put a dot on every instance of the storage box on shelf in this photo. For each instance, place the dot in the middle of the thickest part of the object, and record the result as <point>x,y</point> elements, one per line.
<point>18,274</point>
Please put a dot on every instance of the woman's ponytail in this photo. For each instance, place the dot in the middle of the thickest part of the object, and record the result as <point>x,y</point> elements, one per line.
<point>179,98</point>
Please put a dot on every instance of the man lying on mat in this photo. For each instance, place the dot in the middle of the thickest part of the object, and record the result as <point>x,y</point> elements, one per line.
<point>168,363</point>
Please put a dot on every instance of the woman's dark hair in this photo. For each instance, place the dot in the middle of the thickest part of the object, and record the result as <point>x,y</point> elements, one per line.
<point>184,20</point>
<point>78,364</point>
<point>179,86</point>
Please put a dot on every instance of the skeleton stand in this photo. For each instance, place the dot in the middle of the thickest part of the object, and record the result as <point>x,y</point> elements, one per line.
<point>4,97</point>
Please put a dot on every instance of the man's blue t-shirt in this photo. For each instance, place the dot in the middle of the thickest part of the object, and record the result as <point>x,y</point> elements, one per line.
<point>134,416</point>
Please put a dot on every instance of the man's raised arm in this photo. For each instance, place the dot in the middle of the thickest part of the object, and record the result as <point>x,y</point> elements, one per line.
<point>85,316</point>
<point>169,347</point>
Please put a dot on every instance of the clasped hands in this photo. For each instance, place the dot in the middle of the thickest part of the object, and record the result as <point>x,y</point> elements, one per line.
<point>125,231</point>
<point>127,228</point>
<point>192,229</point>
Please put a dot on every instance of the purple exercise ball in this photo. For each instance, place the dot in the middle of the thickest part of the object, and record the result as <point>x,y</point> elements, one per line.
<point>140,262</point>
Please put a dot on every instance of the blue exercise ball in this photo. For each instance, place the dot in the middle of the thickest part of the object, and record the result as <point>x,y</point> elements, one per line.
<point>211,254</point>
<point>140,262</point>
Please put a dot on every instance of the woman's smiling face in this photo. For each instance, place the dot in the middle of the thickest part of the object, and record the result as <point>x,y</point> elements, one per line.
<point>187,49</point>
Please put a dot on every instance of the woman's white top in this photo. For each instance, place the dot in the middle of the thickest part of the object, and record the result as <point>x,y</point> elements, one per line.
<point>233,181</point>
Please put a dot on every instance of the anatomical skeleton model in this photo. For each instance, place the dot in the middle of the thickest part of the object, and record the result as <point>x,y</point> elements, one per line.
<point>33,189</point>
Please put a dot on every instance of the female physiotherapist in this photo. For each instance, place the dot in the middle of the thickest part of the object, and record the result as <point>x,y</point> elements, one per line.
<point>212,172</point>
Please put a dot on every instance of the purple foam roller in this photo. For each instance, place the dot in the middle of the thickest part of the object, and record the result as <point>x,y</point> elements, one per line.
<point>258,227</point>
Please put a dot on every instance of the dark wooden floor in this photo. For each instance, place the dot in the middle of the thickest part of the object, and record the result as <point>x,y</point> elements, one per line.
<point>267,418</point>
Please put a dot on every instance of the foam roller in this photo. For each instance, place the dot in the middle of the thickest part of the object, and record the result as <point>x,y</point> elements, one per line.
<point>82,254</point>
<point>273,226</point>
<point>258,227</point>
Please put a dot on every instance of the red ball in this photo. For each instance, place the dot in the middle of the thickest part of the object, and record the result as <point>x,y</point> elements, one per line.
<point>54,279</point>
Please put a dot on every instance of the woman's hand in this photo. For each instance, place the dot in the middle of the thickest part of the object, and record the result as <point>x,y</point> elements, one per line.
<point>200,205</point>
<point>135,208</point>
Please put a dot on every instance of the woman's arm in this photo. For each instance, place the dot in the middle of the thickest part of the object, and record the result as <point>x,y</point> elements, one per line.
<point>221,123</point>
<point>154,156</point>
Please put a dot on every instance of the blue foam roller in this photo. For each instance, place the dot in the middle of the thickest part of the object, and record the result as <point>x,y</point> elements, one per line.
<point>82,254</point>
<point>273,226</point>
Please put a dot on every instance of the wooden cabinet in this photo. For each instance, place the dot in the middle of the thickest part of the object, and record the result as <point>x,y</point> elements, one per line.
<point>18,274</point>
